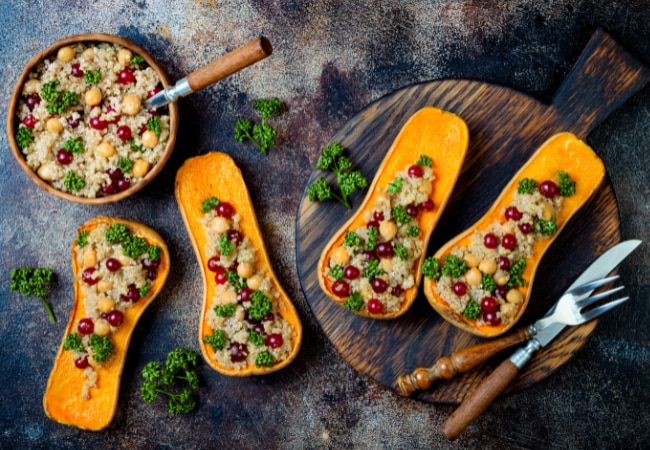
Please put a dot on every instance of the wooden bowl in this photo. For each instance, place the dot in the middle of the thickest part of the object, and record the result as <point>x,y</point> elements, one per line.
<point>13,104</point>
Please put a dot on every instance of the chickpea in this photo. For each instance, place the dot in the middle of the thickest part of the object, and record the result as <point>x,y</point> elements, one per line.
<point>245,270</point>
<point>240,314</point>
<point>131,105</point>
<point>32,86</point>
<point>124,260</point>
<point>220,225</point>
<point>425,186</point>
<point>54,125</point>
<point>386,264</point>
<point>104,286</point>
<point>501,279</point>
<point>229,296</point>
<point>254,282</point>
<point>87,54</point>
<point>340,256</point>
<point>90,258</point>
<point>105,304</point>
<point>514,296</point>
<point>105,149</point>
<point>388,229</point>
<point>46,172</point>
<point>548,211</point>
<point>487,266</point>
<point>471,260</point>
<point>508,309</point>
<point>65,54</point>
<point>473,277</point>
<point>140,168</point>
<point>507,228</point>
<point>149,139</point>
<point>93,97</point>
<point>124,56</point>
<point>102,327</point>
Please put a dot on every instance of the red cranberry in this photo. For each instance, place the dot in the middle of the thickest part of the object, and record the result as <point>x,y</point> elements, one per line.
<point>412,210</point>
<point>238,352</point>
<point>76,71</point>
<point>86,326</point>
<point>489,304</point>
<point>225,209</point>
<point>274,340</point>
<point>132,294</point>
<point>379,285</point>
<point>115,173</point>
<point>124,133</point>
<point>373,224</point>
<point>72,122</point>
<point>221,276</point>
<point>526,228</point>
<point>126,76</point>
<point>151,265</point>
<point>268,318</point>
<point>375,306</point>
<point>512,213</point>
<point>87,276</point>
<point>109,189</point>
<point>115,318</point>
<point>500,291</point>
<point>259,329</point>
<point>63,157</point>
<point>548,189</point>
<point>214,265</point>
<point>369,255</point>
<point>153,91</point>
<point>244,295</point>
<point>113,265</point>
<point>30,121</point>
<point>123,184</point>
<point>459,288</point>
<point>81,363</point>
<point>491,318</point>
<point>490,241</point>
<point>415,172</point>
<point>427,205</point>
<point>32,100</point>
<point>378,216</point>
<point>503,263</point>
<point>250,319</point>
<point>341,288</point>
<point>509,241</point>
<point>152,275</point>
<point>234,235</point>
<point>384,250</point>
<point>352,272</point>
<point>397,291</point>
<point>98,124</point>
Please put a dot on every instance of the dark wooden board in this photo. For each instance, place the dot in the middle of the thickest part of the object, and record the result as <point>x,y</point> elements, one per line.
<point>506,127</point>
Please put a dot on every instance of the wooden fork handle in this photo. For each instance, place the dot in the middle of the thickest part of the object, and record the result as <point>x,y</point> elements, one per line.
<point>232,62</point>
<point>479,399</point>
<point>459,362</point>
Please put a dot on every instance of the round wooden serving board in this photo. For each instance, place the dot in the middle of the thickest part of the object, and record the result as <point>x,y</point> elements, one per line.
<point>506,127</point>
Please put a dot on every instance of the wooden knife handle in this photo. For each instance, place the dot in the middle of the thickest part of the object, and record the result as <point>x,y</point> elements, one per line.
<point>232,62</point>
<point>479,399</point>
<point>459,362</point>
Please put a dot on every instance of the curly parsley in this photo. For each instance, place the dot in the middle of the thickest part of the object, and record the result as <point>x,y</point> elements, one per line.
<point>372,270</point>
<point>424,160</point>
<point>24,137</point>
<point>526,186</point>
<point>472,310</point>
<point>545,227</point>
<point>217,341</point>
<point>352,239</point>
<point>371,241</point>
<point>567,187</point>
<point>255,338</point>
<point>92,76</point>
<point>101,346</point>
<point>125,164</point>
<point>487,283</point>
<point>265,358</point>
<point>354,302</point>
<point>154,124</point>
<point>516,271</point>
<point>73,342</point>
<point>226,246</point>
<point>261,305</point>
<point>401,252</point>
<point>454,266</point>
<point>431,268</point>
<point>337,272</point>
<point>395,186</point>
<point>31,281</point>
<point>73,182</point>
<point>235,280</point>
<point>400,215</point>
<point>225,310</point>
<point>209,204</point>
<point>74,145</point>
<point>413,231</point>
<point>82,238</point>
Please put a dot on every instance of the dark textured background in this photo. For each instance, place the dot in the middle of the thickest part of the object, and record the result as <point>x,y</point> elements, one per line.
<point>330,60</point>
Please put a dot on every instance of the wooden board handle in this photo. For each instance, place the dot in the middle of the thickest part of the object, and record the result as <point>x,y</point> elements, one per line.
<point>459,362</point>
<point>232,62</point>
<point>479,399</point>
<point>603,78</point>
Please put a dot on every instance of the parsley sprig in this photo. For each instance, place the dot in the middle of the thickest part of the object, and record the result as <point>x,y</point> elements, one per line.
<point>262,135</point>
<point>31,281</point>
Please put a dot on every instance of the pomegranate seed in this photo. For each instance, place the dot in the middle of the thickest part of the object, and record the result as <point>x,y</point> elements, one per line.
<point>490,241</point>
<point>152,275</point>
<point>369,255</point>
<point>30,121</point>
<point>268,318</point>
<point>109,189</point>
<point>548,189</point>
<point>214,264</point>
<point>150,265</point>
<point>115,173</point>
<point>221,276</point>
<point>375,306</point>
<point>415,172</point>
<point>153,91</point>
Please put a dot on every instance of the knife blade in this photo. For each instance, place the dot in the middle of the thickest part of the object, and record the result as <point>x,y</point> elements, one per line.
<point>480,398</point>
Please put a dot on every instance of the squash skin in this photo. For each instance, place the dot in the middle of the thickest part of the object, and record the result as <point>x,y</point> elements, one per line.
<point>62,400</point>
<point>442,136</point>
<point>215,174</point>
<point>563,151</point>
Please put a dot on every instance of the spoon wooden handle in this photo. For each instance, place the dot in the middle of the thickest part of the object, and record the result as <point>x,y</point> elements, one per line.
<point>459,362</point>
<point>479,399</point>
<point>232,62</point>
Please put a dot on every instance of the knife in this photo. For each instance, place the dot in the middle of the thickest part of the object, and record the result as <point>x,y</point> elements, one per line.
<point>541,334</point>
<point>220,68</point>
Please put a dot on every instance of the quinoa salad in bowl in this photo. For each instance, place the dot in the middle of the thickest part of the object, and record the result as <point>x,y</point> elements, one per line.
<point>78,124</point>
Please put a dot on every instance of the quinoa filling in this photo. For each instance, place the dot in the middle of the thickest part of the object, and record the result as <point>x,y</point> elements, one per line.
<point>375,264</point>
<point>246,316</point>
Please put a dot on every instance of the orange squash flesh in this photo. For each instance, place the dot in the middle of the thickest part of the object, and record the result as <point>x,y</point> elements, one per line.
<point>216,175</point>
<point>443,137</point>
<point>563,151</point>
<point>63,401</point>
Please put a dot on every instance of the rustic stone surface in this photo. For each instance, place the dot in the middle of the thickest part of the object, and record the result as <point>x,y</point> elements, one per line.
<point>330,59</point>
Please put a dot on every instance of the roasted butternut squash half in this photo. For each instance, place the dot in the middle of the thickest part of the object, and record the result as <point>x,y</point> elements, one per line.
<point>481,280</point>
<point>371,265</point>
<point>119,268</point>
<point>248,324</point>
